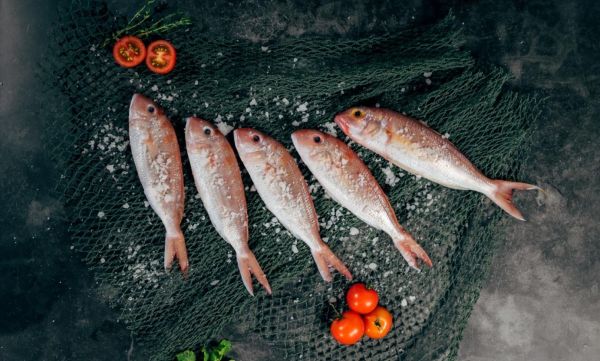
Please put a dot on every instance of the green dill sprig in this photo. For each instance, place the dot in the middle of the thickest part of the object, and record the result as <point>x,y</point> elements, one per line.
<point>139,25</point>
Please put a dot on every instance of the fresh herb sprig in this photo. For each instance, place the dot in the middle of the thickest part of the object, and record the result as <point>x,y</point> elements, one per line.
<point>140,23</point>
<point>218,352</point>
<point>209,353</point>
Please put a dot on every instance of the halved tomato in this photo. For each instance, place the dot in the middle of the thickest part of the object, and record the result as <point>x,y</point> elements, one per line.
<point>129,51</point>
<point>161,57</point>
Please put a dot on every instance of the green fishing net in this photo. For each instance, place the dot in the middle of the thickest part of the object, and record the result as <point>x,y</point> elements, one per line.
<point>277,87</point>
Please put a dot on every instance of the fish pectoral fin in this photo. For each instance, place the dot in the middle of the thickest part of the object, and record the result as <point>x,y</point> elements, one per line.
<point>412,252</point>
<point>248,266</point>
<point>175,249</point>
<point>151,148</point>
<point>325,258</point>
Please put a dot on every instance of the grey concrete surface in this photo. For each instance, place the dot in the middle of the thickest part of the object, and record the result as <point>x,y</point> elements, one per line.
<point>541,300</point>
<point>49,308</point>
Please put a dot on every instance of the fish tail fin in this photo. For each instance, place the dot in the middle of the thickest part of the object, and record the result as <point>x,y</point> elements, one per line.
<point>324,258</point>
<point>175,249</point>
<point>503,192</point>
<point>411,250</point>
<point>248,266</point>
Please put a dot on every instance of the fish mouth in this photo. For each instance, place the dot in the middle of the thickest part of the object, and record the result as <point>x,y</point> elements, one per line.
<point>237,136</point>
<point>195,131</point>
<point>249,143</point>
<point>195,120</point>
<point>136,101</point>
<point>143,107</point>
<point>297,140</point>
<point>308,138</point>
<point>241,138</point>
<point>342,122</point>
<point>299,135</point>
<point>135,98</point>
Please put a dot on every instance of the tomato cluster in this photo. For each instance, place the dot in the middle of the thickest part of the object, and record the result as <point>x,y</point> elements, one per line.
<point>130,51</point>
<point>365,317</point>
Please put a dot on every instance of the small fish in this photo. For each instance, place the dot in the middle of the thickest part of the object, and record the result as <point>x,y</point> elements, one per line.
<point>282,187</point>
<point>219,183</point>
<point>418,149</point>
<point>158,163</point>
<point>349,182</point>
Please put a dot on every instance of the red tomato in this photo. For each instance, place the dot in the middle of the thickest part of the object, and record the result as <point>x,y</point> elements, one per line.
<point>378,323</point>
<point>361,299</point>
<point>129,51</point>
<point>348,329</point>
<point>161,57</point>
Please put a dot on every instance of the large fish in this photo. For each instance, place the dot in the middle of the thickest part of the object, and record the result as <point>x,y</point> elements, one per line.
<point>158,163</point>
<point>349,182</point>
<point>282,187</point>
<point>219,183</point>
<point>418,149</point>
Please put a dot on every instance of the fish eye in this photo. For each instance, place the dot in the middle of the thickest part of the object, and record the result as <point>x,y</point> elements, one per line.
<point>317,139</point>
<point>207,131</point>
<point>150,109</point>
<point>256,138</point>
<point>357,113</point>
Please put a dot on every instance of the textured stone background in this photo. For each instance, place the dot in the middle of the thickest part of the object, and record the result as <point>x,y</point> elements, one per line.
<point>542,298</point>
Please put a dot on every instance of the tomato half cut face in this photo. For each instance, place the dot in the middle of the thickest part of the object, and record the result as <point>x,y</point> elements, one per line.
<point>161,57</point>
<point>129,51</point>
<point>378,323</point>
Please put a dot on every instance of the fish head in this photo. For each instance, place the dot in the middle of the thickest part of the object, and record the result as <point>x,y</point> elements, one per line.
<point>321,150</point>
<point>250,141</point>
<point>358,122</point>
<point>200,132</point>
<point>312,144</point>
<point>143,112</point>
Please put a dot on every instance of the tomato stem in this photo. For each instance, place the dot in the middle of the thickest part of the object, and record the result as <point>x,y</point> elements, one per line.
<point>337,313</point>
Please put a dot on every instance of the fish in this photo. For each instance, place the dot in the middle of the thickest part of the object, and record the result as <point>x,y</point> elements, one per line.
<point>219,183</point>
<point>420,150</point>
<point>348,180</point>
<point>283,189</point>
<point>158,163</point>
